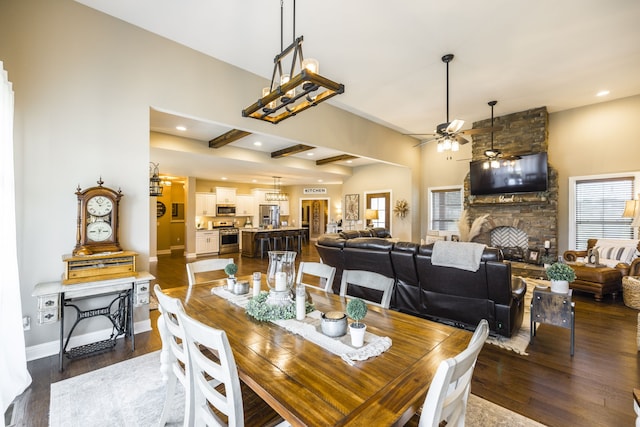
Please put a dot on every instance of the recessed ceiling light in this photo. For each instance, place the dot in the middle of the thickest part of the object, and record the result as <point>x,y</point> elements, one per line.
<point>319,180</point>
<point>181,128</point>
<point>224,178</point>
<point>254,180</point>
<point>349,161</point>
<point>258,144</point>
<point>309,154</point>
<point>602,93</point>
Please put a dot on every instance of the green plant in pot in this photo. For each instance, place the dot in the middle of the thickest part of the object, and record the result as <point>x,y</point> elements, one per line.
<point>356,310</point>
<point>231,270</point>
<point>547,260</point>
<point>560,276</point>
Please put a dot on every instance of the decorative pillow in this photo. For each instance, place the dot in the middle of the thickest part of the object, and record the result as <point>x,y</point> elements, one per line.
<point>618,251</point>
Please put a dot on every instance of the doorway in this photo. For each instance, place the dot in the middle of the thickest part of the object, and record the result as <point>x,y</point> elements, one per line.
<point>314,216</point>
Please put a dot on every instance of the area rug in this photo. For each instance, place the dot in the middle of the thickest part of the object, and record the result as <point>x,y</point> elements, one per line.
<point>519,341</point>
<point>131,393</point>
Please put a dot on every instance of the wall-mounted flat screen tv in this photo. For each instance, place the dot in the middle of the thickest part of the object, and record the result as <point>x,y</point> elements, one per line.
<point>525,174</point>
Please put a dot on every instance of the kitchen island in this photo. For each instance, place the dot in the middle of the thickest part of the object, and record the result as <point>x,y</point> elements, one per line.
<point>251,246</point>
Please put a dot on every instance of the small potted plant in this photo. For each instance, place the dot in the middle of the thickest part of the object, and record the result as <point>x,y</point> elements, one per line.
<point>547,260</point>
<point>356,310</point>
<point>560,275</point>
<point>231,270</point>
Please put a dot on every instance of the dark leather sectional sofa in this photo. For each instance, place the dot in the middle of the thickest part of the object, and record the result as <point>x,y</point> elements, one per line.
<point>446,294</point>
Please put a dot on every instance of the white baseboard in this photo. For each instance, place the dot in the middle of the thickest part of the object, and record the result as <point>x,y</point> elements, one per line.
<point>53,347</point>
<point>153,259</point>
<point>191,255</point>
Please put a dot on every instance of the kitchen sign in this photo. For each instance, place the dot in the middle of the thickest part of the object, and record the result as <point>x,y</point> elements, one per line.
<point>314,191</point>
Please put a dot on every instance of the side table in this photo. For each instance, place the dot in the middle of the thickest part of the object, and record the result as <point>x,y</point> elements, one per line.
<point>553,309</point>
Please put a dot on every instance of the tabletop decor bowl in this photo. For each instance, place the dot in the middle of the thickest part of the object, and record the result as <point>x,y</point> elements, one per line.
<point>334,324</point>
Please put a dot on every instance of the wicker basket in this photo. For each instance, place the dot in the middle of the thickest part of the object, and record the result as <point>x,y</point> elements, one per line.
<point>631,291</point>
<point>638,331</point>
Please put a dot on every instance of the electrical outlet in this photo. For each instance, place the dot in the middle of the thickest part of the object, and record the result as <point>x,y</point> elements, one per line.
<point>26,323</point>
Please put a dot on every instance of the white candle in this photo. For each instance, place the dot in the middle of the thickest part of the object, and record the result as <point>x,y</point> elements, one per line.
<point>281,281</point>
<point>256,283</point>
<point>547,244</point>
<point>301,296</point>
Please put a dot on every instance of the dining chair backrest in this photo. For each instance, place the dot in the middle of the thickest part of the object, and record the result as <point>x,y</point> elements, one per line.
<point>370,280</point>
<point>212,364</point>
<point>173,356</point>
<point>322,272</point>
<point>450,386</point>
<point>204,266</point>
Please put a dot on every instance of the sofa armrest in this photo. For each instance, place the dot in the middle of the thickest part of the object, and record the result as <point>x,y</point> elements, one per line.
<point>518,287</point>
<point>634,268</point>
<point>573,256</point>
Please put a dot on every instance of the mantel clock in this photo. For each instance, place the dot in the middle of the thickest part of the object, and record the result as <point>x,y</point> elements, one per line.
<point>97,220</point>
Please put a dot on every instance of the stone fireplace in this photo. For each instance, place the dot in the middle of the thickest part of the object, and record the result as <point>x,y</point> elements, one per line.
<point>524,220</point>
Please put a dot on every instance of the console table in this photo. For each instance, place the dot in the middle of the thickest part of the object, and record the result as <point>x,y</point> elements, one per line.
<point>554,309</point>
<point>126,293</point>
<point>531,271</point>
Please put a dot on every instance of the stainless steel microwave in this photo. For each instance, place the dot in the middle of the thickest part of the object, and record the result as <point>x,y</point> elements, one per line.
<point>225,210</point>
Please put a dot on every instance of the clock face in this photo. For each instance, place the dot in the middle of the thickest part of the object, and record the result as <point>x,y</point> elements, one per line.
<point>99,231</point>
<point>99,206</point>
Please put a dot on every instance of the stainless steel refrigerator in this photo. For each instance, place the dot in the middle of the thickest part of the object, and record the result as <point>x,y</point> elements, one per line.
<point>270,215</point>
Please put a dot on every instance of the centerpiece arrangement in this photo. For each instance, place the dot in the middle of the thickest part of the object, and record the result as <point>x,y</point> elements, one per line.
<point>278,303</point>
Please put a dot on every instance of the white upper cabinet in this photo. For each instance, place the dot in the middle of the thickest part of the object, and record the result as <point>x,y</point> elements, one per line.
<point>226,196</point>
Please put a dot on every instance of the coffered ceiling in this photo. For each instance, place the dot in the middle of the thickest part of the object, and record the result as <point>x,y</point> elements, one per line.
<point>557,54</point>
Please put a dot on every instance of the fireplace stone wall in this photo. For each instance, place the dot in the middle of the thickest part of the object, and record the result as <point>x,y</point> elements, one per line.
<point>536,214</point>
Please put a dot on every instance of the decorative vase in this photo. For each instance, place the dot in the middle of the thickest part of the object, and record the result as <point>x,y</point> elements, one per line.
<point>357,330</point>
<point>560,286</point>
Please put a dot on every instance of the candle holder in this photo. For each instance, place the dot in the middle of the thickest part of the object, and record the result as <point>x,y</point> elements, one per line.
<point>280,277</point>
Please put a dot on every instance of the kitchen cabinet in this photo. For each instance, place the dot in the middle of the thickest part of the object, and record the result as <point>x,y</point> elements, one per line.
<point>226,195</point>
<point>259,197</point>
<point>205,204</point>
<point>245,205</point>
<point>207,242</point>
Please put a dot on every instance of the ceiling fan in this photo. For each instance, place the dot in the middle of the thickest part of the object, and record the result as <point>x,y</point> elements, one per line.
<point>493,154</point>
<point>448,134</point>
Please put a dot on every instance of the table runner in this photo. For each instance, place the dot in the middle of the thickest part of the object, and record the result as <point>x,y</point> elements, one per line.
<point>310,329</point>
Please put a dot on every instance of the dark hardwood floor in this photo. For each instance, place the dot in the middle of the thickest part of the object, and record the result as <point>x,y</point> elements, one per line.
<point>592,388</point>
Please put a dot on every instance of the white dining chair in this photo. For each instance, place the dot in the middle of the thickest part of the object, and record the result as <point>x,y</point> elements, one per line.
<point>174,365</point>
<point>214,379</point>
<point>450,386</point>
<point>322,273</point>
<point>370,280</point>
<point>204,266</point>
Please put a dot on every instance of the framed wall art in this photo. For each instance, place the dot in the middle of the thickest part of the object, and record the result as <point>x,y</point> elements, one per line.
<point>352,207</point>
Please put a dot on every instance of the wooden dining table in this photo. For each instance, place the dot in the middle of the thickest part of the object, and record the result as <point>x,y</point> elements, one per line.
<point>310,386</point>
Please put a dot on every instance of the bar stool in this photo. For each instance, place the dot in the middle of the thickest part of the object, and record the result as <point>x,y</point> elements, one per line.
<point>277,240</point>
<point>264,240</point>
<point>290,238</point>
<point>302,237</point>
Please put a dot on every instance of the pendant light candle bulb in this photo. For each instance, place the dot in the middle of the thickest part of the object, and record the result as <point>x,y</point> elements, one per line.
<point>285,79</point>
<point>312,65</point>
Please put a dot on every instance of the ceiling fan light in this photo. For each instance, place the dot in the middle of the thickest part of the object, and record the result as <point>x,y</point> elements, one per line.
<point>495,164</point>
<point>486,165</point>
<point>440,147</point>
<point>455,146</point>
<point>447,144</point>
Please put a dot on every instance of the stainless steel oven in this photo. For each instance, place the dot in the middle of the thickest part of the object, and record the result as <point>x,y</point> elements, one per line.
<point>229,240</point>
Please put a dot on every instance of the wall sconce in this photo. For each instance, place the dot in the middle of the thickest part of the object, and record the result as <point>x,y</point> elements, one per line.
<point>155,189</point>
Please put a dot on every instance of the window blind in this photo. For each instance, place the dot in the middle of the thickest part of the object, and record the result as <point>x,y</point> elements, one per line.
<point>446,207</point>
<point>599,206</point>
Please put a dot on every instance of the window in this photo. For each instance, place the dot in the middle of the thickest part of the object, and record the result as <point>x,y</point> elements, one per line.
<point>381,203</point>
<point>596,208</point>
<point>446,207</point>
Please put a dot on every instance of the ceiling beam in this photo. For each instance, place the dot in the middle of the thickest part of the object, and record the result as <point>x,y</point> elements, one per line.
<point>294,149</point>
<point>227,138</point>
<point>335,159</point>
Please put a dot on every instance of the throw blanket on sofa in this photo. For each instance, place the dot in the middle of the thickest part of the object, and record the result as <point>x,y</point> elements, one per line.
<point>462,255</point>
